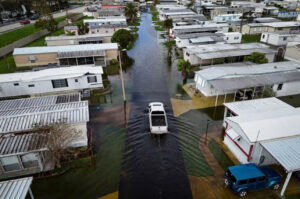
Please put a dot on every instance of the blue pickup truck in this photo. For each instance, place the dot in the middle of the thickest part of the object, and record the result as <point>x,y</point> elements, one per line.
<point>245,178</point>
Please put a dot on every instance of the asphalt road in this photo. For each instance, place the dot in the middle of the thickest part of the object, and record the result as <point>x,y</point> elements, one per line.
<point>17,25</point>
<point>153,166</point>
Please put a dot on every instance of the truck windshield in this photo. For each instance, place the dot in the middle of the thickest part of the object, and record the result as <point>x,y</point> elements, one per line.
<point>231,177</point>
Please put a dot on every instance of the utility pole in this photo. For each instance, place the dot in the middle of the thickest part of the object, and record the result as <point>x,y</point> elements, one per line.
<point>123,87</point>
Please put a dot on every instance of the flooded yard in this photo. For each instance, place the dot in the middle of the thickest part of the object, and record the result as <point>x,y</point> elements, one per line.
<point>188,162</point>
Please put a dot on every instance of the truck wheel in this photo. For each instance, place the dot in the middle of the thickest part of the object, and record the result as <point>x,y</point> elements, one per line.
<point>276,186</point>
<point>243,193</point>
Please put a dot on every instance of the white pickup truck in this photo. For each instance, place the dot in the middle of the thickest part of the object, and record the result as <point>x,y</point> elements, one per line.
<point>157,118</point>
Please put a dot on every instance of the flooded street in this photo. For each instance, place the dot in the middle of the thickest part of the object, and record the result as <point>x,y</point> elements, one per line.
<point>129,163</point>
<point>153,167</point>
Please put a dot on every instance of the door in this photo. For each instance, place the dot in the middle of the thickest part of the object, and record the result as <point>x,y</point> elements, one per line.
<point>252,184</point>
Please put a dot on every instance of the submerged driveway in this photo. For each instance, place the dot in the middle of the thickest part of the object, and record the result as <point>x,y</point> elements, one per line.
<point>153,167</point>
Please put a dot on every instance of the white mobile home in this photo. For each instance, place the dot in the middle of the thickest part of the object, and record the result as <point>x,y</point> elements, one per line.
<point>78,40</point>
<point>278,39</point>
<point>199,28</point>
<point>247,82</point>
<point>224,53</point>
<point>53,80</point>
<point>245,134</point>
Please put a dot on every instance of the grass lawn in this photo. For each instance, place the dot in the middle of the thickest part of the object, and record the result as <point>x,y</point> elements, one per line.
<point>219,154</point>
<point>250,38</point>
<point>12,36</point>
<point>3,64</point>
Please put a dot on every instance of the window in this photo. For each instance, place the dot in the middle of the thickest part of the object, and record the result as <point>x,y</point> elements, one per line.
<point>284,38</point>
<point>227,38</point>
<point>187,54</point>
<point>30,160</point>
<point>10,163</point>
<point>279,87</point>
<point>76,80</point>
<point>263,36</point>
<point>60,83</point>
<point>92,79</point>
<point>252,180</point>
<point>16,84</point>
<point>262,178</point>
<point>31,85</point>
<point>241,182</point>
<point>236,38</point>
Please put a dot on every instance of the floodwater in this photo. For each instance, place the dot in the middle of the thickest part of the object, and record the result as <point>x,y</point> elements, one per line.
<point>130,161</point>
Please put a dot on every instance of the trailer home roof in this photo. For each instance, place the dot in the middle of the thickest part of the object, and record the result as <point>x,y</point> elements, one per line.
<point>51,73</point>
<point>68,48</point>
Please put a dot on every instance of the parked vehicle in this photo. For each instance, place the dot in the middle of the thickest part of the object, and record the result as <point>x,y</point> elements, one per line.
<point>245,178</point>
<point>157,118</point>
<point>34,16</point>
<point>23,22</point>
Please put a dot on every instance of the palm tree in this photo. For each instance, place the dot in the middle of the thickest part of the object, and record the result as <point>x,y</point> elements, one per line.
<point>185,67</point>
<point>83,28</point>
<point>167,25</point>
<point>130,12</point>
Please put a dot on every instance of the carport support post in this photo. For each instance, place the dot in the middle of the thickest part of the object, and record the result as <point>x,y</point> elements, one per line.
<point>216,102</point>
<point>30,193</point>
<point>286,182</point>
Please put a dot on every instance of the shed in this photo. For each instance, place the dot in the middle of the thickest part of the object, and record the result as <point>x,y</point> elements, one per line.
<point>16,189</point>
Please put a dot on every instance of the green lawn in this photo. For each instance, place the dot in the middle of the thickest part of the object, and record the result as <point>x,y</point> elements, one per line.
<point>250,38</point>
<point>12,36</point>
<point>3,65</point>
<point>223,160</point>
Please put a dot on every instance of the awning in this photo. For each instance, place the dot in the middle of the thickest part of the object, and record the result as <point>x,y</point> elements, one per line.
<point>15,189</point>
<point>286,152</point>
<point>75,54</point>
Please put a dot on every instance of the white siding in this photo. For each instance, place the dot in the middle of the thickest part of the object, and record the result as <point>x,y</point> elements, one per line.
<point>8,89</point>
<point>288,88</point>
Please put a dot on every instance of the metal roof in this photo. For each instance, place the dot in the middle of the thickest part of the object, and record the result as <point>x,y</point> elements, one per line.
<point>68,48</point>
<point>286,152</point>
<point>233,53</point>
<point>40,109</point>
<point>15,189</point>
<point>79,37</point>
<point>257,106</point>
<point>26,122</point>
<point>23,143</point>
<point>242,71</point>
<point>196,35</point>
<point>268,126</point>
<point>52,73</point>
<point>38,101</point>
<point>230,85</point>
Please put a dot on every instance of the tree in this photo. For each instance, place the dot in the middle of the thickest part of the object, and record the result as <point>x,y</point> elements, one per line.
<point>156,2</point>
<point>83,28</point>
<point>131,12</point>
<point>70,33</point>
<point>167,25</point>
<point>123,38</point>
<point>60,138</point>
<point>257,57</point>
<point>42,7</point>
<point>185,67</point>
<point>47,23</point>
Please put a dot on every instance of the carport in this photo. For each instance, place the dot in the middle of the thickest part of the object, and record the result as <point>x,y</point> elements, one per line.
<point>287,153</point>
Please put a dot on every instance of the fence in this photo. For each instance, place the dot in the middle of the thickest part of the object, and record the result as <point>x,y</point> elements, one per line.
<point>26,40</point>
